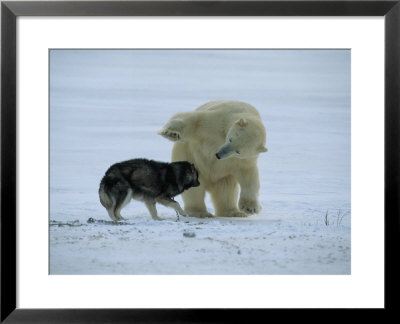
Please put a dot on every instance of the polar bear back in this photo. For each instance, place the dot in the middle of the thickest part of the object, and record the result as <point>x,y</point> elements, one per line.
<point>228,106</point>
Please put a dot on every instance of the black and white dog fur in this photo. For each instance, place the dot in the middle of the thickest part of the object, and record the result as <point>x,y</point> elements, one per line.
<point>148,181</point>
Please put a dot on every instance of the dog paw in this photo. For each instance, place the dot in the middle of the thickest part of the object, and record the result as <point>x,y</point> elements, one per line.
<point>249,206</point>
<point>182,213</point>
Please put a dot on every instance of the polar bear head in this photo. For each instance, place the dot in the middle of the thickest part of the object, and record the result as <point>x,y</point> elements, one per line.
<point>245,139</point>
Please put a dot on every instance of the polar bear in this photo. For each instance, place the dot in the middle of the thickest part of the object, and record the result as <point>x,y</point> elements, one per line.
<point>223,140</point>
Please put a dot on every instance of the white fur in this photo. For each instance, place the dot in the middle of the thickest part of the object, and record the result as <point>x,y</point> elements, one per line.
<point>235,130</point>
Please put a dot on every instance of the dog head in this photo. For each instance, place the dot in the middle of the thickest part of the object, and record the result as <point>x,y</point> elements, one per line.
<point>186,175</point>
<point>192,177</point>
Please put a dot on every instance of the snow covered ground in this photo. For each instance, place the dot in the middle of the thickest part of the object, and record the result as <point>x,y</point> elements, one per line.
<point>106,106</point>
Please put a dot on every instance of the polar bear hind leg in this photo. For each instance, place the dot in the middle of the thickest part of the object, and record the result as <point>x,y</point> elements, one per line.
<point>224,195</point>
<point>172,130</point>
<point>193,198</point>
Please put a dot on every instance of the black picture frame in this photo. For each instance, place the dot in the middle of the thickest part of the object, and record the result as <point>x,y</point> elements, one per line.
<point>10,10</point>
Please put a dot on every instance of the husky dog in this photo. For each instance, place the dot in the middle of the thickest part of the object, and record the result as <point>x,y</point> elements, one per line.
<point>148,181</point>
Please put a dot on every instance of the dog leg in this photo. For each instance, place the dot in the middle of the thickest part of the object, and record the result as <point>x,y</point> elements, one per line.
<point>151,206</point>
<point>121,202</point>
<point>108,202</point>
<point>168,202</point>
<point>111,214</point>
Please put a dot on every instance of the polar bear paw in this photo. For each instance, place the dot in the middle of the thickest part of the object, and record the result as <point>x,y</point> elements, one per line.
<point>199,214</point>
<point>173,130</point>
<point>233,213</point>
<point>238,214</point>
<point>249,206</point>
<point>171,135</point>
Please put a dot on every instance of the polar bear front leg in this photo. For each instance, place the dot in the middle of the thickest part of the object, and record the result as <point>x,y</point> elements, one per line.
<point>249,188</point>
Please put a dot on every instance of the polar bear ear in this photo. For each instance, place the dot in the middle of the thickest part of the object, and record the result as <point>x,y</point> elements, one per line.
<point>262,149</point>
<point>242,122</point>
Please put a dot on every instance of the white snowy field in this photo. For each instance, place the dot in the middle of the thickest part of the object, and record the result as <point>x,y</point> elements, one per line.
<point>107,105</point>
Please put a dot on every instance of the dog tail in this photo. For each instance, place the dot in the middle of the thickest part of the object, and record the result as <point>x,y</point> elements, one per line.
<point>105,197</point>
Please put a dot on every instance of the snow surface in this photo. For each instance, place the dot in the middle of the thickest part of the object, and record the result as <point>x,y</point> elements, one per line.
<point>107,105</point>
